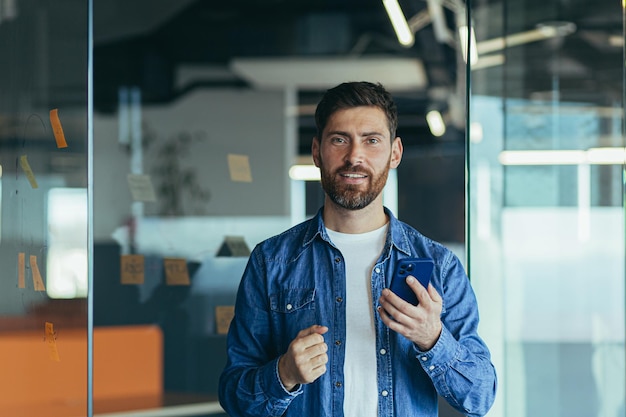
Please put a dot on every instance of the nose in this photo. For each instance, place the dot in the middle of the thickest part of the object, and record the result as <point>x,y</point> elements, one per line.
<point>354,154</point>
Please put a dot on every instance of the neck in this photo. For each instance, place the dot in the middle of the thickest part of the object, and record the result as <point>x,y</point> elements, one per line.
<point>364,220</point>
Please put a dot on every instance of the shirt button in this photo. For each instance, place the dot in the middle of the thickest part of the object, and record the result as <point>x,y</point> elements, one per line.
<point>338,342</point>
<point>383,351</point>
<point>384,393</point>
<point>338,384</point>
<point>289,306</point>
<point>431,367</point>
<point>337,259</point>
<point>339,299</point>
<point>424,358</point>
<point>377,270</point>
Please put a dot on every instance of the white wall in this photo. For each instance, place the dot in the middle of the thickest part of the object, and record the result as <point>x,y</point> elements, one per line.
<point>237,121</point>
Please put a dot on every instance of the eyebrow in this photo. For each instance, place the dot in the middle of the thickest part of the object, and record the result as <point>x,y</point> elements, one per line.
<point>364,134</point>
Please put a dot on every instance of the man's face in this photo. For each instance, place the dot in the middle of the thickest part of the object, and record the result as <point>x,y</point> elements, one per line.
<point>354,155</point>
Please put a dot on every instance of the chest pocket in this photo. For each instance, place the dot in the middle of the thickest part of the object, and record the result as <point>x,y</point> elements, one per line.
<point>292,300</point>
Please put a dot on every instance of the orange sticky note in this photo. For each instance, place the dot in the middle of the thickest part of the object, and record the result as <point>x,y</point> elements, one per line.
<point>223,317</point>
<point>37,281</point>
<point>21,270</point>
<point>57,129</point>
<point>176,271</point>
<point>132,269</point>
<point>51,341</point>
<point>28,171</point>
<point>239,167</point>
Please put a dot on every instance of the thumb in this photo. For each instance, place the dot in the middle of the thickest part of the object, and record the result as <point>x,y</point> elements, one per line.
<point>320,329</point>
<point>316,328</point>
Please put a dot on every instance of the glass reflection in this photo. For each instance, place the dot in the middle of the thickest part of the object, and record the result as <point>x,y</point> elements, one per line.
<point>546,212</point>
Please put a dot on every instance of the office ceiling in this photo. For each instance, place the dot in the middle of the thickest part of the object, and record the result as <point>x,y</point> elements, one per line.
<point>169,48</point>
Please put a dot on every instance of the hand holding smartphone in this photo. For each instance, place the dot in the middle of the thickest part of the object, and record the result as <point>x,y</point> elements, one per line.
<point>420,268</point>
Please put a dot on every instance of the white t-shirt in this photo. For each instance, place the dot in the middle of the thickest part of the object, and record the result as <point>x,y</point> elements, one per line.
<point>360,252</point>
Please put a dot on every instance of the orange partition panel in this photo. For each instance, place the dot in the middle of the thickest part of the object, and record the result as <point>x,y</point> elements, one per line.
<point>128,362</point>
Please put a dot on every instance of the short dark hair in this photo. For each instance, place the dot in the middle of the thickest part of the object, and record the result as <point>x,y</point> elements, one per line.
<point>356,94</point>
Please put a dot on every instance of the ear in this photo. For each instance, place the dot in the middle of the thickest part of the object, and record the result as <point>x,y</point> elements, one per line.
<point>315,151</point>
<point>396,152</point>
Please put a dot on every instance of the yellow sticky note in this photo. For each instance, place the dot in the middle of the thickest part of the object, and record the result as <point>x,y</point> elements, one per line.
<point>239,167</point>
<point>51,341</point>
<point>21,270</point>
<point>176,271</point>
<point>223,316</point>
<point>141,187</point>
<point>28,171</point>
<point>57,129</point>
<point>132,269</point>
<point>37,281</point>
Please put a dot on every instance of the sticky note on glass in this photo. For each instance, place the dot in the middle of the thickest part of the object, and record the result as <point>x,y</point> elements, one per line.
<point>132,269</point>
<point>223,316</point>
<point>239,167</point>
<point>51,341</point>
<point>141,187</point>
<point>37,281</point>
<point>176,271</point>
<point>28,171</point>
<point>21,270</point>
<point>57,129</point>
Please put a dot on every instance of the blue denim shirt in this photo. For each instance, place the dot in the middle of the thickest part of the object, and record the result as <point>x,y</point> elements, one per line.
<point>297,279</point>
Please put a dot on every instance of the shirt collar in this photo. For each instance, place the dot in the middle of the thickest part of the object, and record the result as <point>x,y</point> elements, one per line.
<point>396,235</point>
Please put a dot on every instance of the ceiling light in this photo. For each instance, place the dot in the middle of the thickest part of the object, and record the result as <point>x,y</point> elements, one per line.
<point>395,73</point>
<point>435,123</point>
<point>616,41</point>
<point>487,61</point>
<point>543,31</point>
<point>471,43</point>
<point>593,156</point>
<point>606,156</point>
<point>476,132</point>
<point>557,28</point>
<point>304,173</point>
<point>550,157</point>
<point>399,23</point>
<point>500,43</point>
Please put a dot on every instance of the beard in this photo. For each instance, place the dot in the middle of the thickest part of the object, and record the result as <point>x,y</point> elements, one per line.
<point>349,196</point>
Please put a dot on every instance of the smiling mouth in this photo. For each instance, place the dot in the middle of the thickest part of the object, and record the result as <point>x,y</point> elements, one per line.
<point>353,175</point>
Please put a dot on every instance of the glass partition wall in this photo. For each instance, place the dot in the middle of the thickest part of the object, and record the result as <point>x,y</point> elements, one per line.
<point>202,123</point>
<point>546,230</point>
<point>43,208</point>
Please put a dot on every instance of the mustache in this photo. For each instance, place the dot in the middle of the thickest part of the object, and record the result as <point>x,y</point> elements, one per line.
<point>352,169</point>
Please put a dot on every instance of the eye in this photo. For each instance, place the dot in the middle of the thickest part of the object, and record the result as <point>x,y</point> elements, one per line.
<point>373,141</point>
<point>337,140</point>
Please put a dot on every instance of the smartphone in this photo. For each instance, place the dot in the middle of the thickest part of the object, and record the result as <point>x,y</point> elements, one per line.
<point>420,268</point>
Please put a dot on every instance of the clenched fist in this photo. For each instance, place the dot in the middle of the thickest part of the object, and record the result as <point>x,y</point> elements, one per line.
<point>305,359</point>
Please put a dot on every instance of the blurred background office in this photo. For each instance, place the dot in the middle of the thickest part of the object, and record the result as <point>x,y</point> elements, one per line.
<point>146,146</point>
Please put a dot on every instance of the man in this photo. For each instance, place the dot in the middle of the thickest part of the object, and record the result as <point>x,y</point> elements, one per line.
<point>316,330</point>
